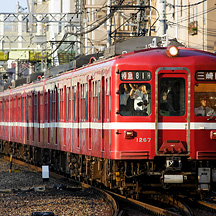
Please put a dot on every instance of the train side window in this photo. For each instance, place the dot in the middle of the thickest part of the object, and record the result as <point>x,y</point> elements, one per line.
<point>46,107</point>
<point>81,101</point>
<point>95,108</point>
<point>5,110</point>
<point>29,98</point>
<point>2,110</point>
<point>50,105</point>
<point>93,100</point>
<point>62,103</point>
<point>74,102</point>
<point>98,99</point>
<point>205,99</point>
<point>32,108</point>
<point>41,110</point>
<point>11,109</point>
<point>14,109</point>
<point>26,108</point>
<point>8,110</point>
<point>36,107</point>
<point>61,107</point>
<point>58,104</point>
<point>67,102</point>
<point>18,104</point>
<point>172,97</point>
<point>86,101</point>
<point>53,105</point>
<point>21,108</point>
<point>108,98</point>
<point>135,99</point>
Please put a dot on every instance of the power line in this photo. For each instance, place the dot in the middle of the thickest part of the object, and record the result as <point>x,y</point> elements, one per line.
<point>190,5</point>
<point>194,16</point>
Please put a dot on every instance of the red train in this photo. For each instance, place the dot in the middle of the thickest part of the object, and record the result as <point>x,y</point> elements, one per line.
<point>135,121</point>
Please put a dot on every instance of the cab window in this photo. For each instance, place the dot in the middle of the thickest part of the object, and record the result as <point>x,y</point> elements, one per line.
<point>172,97</point>
<point>205,99</point>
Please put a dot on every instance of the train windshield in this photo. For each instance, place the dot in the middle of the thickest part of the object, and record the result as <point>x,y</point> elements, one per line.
<point>205,99</point>
<point>172,96</point>
<point>135,99</point>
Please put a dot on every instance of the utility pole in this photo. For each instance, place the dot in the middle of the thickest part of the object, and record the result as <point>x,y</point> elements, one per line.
<point>150,17</point>
<point>138,18</point>
<point>108,24</point>
<point>161,5</point>
<point>30,8</point>
<point>79,11</point>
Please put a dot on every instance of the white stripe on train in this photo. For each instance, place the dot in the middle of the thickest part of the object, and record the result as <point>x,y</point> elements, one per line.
<point>117,125</point>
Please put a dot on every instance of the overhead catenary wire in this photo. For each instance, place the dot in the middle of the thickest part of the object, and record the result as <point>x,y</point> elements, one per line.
<point>103,21</point>
<point>87,31</point>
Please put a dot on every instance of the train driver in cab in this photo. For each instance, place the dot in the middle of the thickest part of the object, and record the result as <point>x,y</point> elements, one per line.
<point>203,109</point>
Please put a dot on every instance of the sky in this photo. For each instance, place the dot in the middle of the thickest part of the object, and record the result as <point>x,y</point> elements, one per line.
<point>9,6</point>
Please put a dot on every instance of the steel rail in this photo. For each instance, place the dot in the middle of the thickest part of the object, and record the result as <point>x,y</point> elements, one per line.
<point>175,202</point>
<point>207,204</point>
<point>145,206</point>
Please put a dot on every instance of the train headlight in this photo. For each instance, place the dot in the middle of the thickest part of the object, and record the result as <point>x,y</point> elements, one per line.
<point>213,135</point>
<point>172,51</point>
<point>129,134</point>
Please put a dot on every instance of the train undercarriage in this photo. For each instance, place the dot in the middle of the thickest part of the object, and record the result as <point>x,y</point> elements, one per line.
<point>130,177</point>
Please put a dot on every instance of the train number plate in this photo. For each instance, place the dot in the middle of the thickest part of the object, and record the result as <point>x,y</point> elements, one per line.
<point>141,139</point>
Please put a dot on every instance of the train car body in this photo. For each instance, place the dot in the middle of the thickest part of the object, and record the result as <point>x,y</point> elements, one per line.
<point>133,121</point>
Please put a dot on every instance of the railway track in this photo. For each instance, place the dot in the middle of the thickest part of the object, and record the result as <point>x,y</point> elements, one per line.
<point>119,204</point>
<point>114,199</point>
<point>200,207</point>
<point>145,207</point>
<point>179,204</point>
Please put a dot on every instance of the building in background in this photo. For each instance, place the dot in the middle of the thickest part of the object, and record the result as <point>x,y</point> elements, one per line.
<point>192,22</point>
<point>53,32</point>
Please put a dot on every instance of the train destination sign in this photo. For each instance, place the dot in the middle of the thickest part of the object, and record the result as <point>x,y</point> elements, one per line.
<point>135,75</point>
<point>205,75</point>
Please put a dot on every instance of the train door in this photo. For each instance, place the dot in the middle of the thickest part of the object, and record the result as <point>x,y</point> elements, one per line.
<point>89,115</point>
<point>80,114</point>
<point>103,93</point>
<point>78,111</point>
<point>26,119</point>
<point>172,112</point>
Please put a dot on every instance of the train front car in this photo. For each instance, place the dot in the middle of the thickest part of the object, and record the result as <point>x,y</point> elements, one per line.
<point>165,130</point>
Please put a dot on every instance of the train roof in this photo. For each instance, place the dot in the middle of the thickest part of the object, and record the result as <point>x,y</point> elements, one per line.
<point>150,56</point>
<point>158,57</point>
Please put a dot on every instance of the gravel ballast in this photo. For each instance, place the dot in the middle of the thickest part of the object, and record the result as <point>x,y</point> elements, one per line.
<point>23,192</point>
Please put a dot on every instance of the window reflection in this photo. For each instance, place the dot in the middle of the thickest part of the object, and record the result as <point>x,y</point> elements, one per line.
<point>135,99</point>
